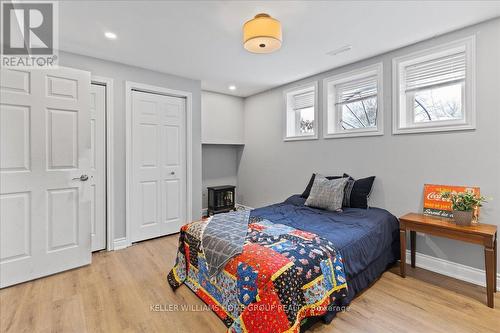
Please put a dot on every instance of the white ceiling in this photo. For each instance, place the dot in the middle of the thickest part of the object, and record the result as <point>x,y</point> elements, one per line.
<point>202,39</point>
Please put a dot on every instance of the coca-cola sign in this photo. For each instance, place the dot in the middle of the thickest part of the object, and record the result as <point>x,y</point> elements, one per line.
<point>435,196</point>
<point>435,205</point>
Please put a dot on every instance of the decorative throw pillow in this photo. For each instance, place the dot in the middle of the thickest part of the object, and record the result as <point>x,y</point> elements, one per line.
<point>306,192</point>
<point>357,192</point>
<point>326,194</point>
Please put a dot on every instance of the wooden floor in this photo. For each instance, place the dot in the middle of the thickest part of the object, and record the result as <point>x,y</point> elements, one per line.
<point>116,292</point>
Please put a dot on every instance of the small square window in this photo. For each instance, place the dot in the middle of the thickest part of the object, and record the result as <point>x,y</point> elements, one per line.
<point>438,104</point>
<point>353,103</point>
<point>434,89</point>
<point>301,113</point>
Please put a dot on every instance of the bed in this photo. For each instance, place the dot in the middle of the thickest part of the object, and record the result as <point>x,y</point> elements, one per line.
<point>363,243</point>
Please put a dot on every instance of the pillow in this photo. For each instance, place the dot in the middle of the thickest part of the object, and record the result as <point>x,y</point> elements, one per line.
<point>327,194</point>
<point>357,192</point>
<point>295,200</point>
<point>306,192</point>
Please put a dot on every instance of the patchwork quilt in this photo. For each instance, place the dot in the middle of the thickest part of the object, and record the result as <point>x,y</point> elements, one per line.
<point>283,276</point>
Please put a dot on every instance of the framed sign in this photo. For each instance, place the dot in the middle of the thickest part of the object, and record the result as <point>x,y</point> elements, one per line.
<point>437,206</point>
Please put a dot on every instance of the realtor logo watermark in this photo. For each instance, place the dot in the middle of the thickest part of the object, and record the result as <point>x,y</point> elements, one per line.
<point>29,34</point>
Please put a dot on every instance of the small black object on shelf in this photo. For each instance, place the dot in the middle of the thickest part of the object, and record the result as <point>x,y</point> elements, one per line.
<point>221,199</point>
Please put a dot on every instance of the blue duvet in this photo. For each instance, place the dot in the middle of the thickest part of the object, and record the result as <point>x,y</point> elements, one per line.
<point>363,236</point>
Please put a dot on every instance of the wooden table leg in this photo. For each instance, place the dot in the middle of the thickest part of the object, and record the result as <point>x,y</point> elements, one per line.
<point>402,262</point>
<point>489,260</point>
<point>413,246</point>
<point>495,271</point>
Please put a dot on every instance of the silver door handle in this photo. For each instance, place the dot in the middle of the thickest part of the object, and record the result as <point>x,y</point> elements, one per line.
<point>82,178</point>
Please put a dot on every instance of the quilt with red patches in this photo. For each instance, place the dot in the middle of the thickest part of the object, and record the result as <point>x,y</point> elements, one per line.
<point>283,276</point>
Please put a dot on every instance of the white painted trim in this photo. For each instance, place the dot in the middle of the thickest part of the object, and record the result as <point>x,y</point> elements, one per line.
<point>110,158</point>
<point>301,138</point>
<point>315,136</point>
<point>354,134</point>
<point>225,143</point>
<point>360,73</point>
<point>129,86</point>
<point>244,206</point>
<point>469,122</point>
<point>204,211</point>
<point>121,243</point>
<point>451,269</point>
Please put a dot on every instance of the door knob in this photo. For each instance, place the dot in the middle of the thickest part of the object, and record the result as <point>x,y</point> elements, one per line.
<point>82,178</point>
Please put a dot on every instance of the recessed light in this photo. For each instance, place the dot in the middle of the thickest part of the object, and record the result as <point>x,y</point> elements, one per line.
<point>232,87</point>
<point>110,35</point>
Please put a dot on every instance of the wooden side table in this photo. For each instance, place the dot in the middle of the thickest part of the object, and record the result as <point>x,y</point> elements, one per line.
<point>482,234</point>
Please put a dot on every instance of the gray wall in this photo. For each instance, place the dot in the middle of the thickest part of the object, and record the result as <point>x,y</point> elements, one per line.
<point>271,169</point>
<point>121,73</point>
<point>220,167</point>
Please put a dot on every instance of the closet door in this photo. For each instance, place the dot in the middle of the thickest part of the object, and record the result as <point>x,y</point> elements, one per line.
<point>97,173</point>
<point>44,164</point>
<point>158,165</point>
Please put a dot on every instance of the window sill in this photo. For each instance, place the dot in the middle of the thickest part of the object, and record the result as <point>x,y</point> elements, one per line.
<point>353,134</point>
<point>433,129</point>
<point>301,138</point>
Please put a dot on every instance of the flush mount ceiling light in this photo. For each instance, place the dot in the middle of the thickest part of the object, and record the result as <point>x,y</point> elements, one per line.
<point>110,35</point>
<point>262,34</point>
<point>232,87</point>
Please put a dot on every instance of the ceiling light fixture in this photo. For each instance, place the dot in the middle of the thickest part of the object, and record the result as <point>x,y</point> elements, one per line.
<point>110,35</point>
<point>262,34</point>
<point>232,87</point>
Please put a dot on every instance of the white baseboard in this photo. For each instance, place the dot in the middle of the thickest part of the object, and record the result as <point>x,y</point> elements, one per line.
<point>246,207</point>
<point>204,211</point>
<point>120,243</point>
<point>451,269</point>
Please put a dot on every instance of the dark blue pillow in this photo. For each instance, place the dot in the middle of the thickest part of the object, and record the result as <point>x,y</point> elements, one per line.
<point>357,192</point>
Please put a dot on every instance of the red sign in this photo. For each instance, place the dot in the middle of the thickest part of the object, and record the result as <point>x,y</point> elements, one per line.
<point>435,205</point>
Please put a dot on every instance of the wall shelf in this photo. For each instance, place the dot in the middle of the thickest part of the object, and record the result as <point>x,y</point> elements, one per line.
<point>224,143</point>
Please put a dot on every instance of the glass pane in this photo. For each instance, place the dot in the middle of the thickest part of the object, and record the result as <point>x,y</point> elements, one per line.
<point>359,114</point>
<point>306,125</point>
<point>440,103</point>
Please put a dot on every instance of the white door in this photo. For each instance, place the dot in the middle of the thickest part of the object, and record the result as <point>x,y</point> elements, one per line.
<point>44,145</point>
<point>158,165</point>
<point>97,173</point>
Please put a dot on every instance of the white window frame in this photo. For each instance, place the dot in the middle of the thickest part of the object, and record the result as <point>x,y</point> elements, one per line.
<point>297,90</point>
<point>331,110</point>
<point>402,116</point>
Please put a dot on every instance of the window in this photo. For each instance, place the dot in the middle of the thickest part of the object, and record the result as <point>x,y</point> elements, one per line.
<point>301,113</point>
<point>354,103</point>
<point>434,89</point>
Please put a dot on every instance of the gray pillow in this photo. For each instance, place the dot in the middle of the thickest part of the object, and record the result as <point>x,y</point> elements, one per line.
<point>326,194</point>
